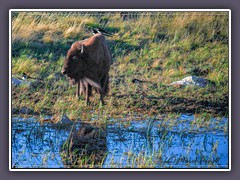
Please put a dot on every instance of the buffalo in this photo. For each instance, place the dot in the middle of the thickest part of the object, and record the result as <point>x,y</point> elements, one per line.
<point>88,63</point>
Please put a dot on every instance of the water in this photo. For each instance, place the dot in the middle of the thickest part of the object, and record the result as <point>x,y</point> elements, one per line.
<point>178,143</point>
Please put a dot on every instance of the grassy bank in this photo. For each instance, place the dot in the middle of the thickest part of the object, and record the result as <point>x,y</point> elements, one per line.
<point>160,48</point>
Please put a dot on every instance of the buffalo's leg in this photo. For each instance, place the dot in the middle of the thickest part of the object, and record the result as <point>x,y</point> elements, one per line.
<point>78,89</point>
<point>101,97</point>
<point>87,91</point>
<point>82,87</point>
<point>89,83</point>
<point>101,92</point>
<point>104,84</point>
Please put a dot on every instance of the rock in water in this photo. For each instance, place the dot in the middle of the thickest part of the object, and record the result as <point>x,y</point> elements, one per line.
<point>65,120</point>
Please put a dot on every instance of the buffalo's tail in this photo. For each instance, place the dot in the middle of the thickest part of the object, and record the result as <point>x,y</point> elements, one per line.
<point>93,83</point>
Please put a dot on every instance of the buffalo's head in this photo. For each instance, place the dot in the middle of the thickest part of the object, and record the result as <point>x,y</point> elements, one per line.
<point>74,63</point>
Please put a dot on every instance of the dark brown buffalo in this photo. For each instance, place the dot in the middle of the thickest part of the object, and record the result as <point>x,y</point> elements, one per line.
<point>87,63</point>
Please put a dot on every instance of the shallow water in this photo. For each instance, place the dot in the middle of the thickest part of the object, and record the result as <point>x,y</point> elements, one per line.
<point>178,143</point>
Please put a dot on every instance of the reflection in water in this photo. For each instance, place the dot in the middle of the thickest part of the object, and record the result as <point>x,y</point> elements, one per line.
<point>85,147</point>
<point>142,144</point>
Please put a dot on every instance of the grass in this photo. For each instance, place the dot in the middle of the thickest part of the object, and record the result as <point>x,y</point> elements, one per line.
<point>159,47</point>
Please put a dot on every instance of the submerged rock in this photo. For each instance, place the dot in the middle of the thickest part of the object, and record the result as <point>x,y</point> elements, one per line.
<point>65,120</point>
<point>192,80</point>
<point>62,120</point>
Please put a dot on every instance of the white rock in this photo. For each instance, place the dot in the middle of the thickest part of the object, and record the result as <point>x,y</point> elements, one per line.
<point>18,82</point>
<point>192,80</point>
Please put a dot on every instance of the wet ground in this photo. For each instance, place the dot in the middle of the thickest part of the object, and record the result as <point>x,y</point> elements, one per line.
<point>173,143</point>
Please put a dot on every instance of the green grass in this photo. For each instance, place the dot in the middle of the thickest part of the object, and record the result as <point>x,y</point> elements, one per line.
<point>158,47</point>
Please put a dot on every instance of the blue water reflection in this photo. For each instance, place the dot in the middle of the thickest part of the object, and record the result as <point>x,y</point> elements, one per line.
<point>178,143</point>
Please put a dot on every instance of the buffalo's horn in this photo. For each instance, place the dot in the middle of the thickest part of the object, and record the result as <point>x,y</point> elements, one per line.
<point>81,48</point>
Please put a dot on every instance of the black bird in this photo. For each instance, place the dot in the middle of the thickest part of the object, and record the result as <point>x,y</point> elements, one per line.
<point>99,31</point>
<point>25,76</point>
<point>137,81</point>
<point>94,31</point>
